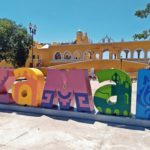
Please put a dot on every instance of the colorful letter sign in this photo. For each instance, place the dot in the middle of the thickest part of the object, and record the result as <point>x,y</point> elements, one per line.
<point>121,88</point>
<point>143,94</point>
<point>28,91</point>
<point>6,80</point>
<point>64,86</point>
<point>69,88</point>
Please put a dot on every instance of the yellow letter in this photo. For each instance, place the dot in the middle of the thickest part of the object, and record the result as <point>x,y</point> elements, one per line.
<point>28,91</point>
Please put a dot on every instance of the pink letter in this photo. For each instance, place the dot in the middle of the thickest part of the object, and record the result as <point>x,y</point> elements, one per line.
<point>6,80</point>
<point>64,86</point>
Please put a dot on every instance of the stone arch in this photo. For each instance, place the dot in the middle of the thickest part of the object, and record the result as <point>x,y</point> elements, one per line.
<point>87,55</point>
<point>122,54</point>
<point>105,54</point>
<point>57,55</point>
<point>77,55</point>
<point>128,55</point>
<point>114,56</point>
<point>97,56</point>
<point>148,53</point>
<point>67,55</point>
<point>125,54</point>
<point>135,54</point>
<point>138,53</point>
<point>142,54</point>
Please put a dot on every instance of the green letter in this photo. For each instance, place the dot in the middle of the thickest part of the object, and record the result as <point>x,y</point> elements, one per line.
<point>119,86</point>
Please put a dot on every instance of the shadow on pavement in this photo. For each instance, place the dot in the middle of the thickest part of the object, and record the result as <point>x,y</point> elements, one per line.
<point>78,120</point>
<point>127,126</point>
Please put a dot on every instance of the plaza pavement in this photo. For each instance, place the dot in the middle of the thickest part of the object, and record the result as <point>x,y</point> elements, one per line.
<point>38,132</point>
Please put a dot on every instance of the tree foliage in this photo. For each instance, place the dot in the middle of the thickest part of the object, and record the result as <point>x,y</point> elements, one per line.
<point>15,43</point>
<point>143,14</point>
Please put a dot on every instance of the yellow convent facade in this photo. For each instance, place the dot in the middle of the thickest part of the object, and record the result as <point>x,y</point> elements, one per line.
<point>82,49</point>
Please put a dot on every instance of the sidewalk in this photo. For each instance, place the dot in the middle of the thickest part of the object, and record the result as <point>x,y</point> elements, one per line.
<point>24,132</point>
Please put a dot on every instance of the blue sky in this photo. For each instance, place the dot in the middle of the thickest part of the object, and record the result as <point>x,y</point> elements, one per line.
<point>58,20</point>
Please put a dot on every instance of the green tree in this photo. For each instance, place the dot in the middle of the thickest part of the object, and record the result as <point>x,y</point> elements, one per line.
<point>15,43</point>
<point>143,14</point>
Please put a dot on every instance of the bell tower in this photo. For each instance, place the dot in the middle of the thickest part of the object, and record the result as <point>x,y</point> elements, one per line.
<point>79,37</point>
<point>82,38</point>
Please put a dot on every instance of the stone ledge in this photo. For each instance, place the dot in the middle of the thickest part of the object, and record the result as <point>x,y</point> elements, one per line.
<point>79,115</point>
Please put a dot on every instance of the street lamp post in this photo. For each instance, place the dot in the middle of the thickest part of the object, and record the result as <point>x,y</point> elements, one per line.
<point>121,62</point>
<point>32,29</point>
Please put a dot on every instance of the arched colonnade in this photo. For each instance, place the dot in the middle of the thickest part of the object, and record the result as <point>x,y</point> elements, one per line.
<point>101,55</point>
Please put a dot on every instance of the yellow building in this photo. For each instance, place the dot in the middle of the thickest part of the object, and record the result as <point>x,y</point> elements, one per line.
<point>82,49</point>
